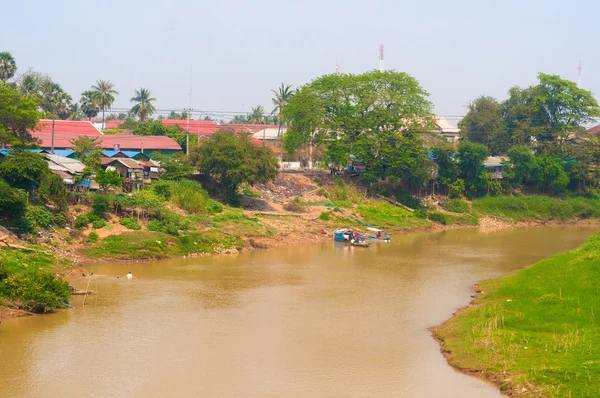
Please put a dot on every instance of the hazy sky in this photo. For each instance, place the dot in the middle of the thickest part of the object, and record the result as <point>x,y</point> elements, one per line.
<point>240,50</point>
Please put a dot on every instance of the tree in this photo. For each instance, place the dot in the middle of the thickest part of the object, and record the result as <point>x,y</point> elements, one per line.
<point>566,108</point>
<point>143,107</point>
<point>471,156</point>
<point>8,66</point>
<point>88,150</point>
<point>231,160</point>
<point>258,115</point>
<point>89,104</point>
<point>75,112</point>
<point>55,101</point>
<point>24,169</point>
<point>52,188</point>
<point>448,165</point>
<point>18,116</point>
<point>483,124</point>
<point>12,201</point>
<point>174,167</point>
<point>522,167</point>
<point>107,179</point>
<point>104,93</point>
<point>374,108</point>
<point>280,99</point>
<point>239,119</point>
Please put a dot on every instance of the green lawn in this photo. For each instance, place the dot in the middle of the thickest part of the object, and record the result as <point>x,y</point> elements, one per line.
<point>537,207</point>
<point>536,329</point>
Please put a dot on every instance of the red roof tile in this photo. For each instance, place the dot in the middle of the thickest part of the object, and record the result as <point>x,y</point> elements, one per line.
<point>125,142</point>
<point>113,124</point>
<point>595,129</point>
<point>200,127</point>
<point>67,127</point>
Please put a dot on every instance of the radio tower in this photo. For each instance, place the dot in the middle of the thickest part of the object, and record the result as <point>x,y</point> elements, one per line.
<point>337,69</point>
<point>579,68</point>
<point>381,66</point>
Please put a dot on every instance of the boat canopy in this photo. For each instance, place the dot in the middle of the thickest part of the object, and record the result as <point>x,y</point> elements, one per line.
<point>374,229</point>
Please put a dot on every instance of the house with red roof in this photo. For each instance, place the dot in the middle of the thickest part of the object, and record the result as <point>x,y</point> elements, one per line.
<point>66,127</point>
<point>117,142</point>
<point>595,130</point>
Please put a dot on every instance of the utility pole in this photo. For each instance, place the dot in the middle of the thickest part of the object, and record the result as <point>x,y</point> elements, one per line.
<point>579,68</point>
<point>381,65</point>
<point>187,129</point>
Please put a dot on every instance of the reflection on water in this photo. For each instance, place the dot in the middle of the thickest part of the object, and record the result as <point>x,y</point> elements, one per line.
<point>318,320</point>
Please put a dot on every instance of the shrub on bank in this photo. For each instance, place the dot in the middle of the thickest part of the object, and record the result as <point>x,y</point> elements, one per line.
<point>130,223</point>
<point>93,237</point>
<point>456,205</point>
<point>81,222</point>
<point>37,292</point>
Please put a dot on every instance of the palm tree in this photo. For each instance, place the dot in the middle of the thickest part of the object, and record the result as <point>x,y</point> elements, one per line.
<point>280,100</point>
<point>75,112</point>
<point>143,107</point>
<point>8,66</point>
<point>257,115</point>
<point>55,101</point>
<point>89,104</point>
<point>104,93</point>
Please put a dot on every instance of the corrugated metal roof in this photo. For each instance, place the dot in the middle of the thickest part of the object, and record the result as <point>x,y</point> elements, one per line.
<point>125,142</point>
<point>67,127</point>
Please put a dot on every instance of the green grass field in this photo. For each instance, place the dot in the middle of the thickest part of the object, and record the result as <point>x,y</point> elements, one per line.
<point>536,329</point>
<point>536,207</point>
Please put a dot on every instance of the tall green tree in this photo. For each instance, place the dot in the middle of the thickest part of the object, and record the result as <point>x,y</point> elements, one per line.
<point>471,156</point>
<point>104,92</point>
<point>18,116</point>
<point>358,111</point>
<point>449,170</point>
<point>8,66</point>
<point>566,108</point>
<point>280,99</point>
<point>54,101</point>
<point>89,104</point>
<point>233,159</point>
<point>483,124</point>
<point>88,150</point>
<point>143,107</point>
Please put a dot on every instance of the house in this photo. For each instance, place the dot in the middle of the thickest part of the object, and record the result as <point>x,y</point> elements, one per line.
<point>68,169</point>
<point>198,127</point>
<point>125,154</point>
<point>446,130</point>
<point>117,142</point>
<point>131,169</point>
<point>66,127</point>
<point>494,166</point>
<point>595,130</point>
<point>151,170</point>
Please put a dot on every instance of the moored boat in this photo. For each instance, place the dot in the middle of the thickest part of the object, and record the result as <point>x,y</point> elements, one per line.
<point>346,235</point>
<point>378,236</point>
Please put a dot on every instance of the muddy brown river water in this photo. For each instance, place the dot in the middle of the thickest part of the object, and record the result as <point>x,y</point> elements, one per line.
<point>321,320</point>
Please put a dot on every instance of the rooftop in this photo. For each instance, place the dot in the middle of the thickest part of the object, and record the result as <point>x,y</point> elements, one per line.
<point>124,142</point>
<point>67,127</point>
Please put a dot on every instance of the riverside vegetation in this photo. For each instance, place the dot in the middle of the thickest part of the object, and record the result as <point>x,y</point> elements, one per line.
<point>534,332</point>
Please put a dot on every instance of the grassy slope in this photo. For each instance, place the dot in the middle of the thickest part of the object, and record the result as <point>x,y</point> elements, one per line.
<point>537,328</point>
<point>537,207</point>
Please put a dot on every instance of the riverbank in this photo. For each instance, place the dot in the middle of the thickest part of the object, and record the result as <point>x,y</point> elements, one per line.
<point>534,332</point>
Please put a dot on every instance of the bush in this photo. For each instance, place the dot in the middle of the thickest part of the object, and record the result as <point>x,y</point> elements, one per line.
<point>325,216</point>
<point>456,189</point>
<point>25,226</point>
<point>214,207</point>
<point>456,205</point>
<point>12,201</point>
<point>93,237</point>
<point>130,223</point>
<point>409,201</point>
<point>98,224</point>
<point>100,205</point>
<point>339,182</point>
<point>155,226</point>
<point>438,217</point>
<point>81,222</point>
<point>187,194</point>
<point>39,216</point>
<point>60,220</point>
<point>36,292</point>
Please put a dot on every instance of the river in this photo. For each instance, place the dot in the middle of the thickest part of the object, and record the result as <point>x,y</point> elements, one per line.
<point>313,320</point>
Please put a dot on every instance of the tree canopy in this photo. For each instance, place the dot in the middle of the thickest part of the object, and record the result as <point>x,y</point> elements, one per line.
<point>88,150</point>
<point>18,116</point>
<point>143,107</point>
<point>8,66</point>
<point>233,159</point>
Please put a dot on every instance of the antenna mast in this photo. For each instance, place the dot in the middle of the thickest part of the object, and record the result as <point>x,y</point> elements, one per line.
<point>187,127</point>
<point>337,69</point>
<point>579,68</point>
<point>381,66</point>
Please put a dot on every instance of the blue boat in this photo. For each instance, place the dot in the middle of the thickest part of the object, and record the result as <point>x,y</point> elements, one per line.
<point>379,235</point>
<point>346,235</point>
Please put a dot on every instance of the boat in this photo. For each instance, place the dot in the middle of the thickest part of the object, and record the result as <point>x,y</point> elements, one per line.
<point>346,235</point>
<point>379,235</point>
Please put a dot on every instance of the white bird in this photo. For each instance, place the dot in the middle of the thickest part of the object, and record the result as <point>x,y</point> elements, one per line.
<point>129,275</point>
